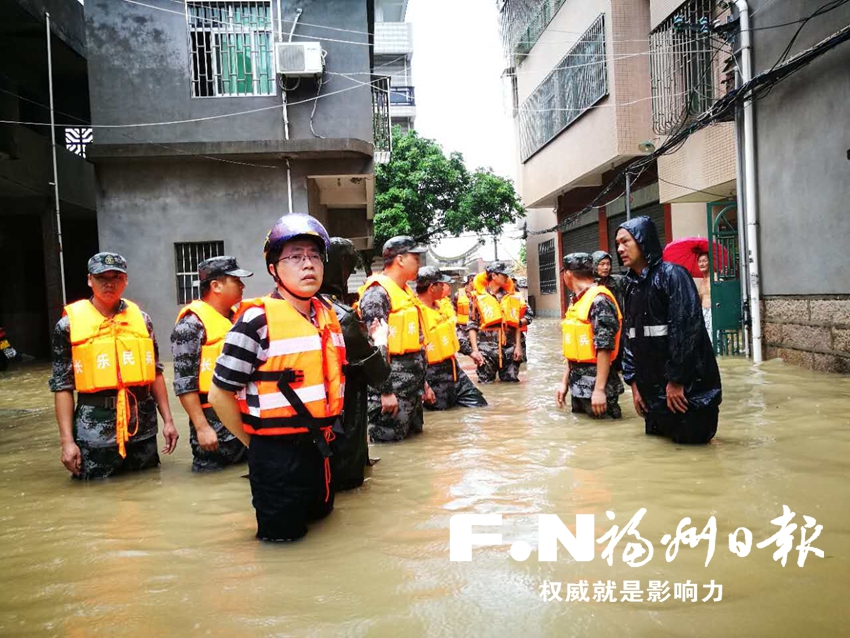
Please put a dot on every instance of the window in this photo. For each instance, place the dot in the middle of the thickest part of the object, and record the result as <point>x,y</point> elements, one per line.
<point>232,48</point>
<point>187,257</point>
<point>578,82</point>
<point>546,264</point>
<point>76,140</point>
<point>682,55</point>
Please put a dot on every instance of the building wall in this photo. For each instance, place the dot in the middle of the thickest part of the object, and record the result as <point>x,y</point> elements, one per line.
<point>660,10</point>
<point>538,219</point>
<point>607,133</point>
<point>803,167</point>
<point>706,162</point>
<point>140,68</point>
<point>145,208</point>
<point>803,190</point>
<point>688,220</point>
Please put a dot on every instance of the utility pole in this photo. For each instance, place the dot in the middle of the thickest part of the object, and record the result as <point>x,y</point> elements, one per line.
<point>495,247</point>
<point>55,170</point>
<point>628,195</point>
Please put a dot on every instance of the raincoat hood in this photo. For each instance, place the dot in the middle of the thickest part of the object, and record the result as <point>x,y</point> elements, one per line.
<point>646,235</point>
<point>598,256</point>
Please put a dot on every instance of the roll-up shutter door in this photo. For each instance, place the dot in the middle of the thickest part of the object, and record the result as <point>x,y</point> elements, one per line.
<point>581,240</point>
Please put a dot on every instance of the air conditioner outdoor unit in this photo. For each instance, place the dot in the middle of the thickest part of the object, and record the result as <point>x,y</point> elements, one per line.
<point>299,59</point>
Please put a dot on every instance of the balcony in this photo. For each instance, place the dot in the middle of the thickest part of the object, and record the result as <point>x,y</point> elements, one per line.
<point>402,96</point>
<point>393,38</point>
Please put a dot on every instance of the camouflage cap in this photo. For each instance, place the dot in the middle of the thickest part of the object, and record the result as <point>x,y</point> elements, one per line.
<point>402,245</point>
<point>104,262</point>
<point>498,268</point>
<point>580,262</point>
<point>219,267</point>
<point>430,275</point>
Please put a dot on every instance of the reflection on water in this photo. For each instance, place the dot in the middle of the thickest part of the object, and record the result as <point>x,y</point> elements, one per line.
<point>169,552</point>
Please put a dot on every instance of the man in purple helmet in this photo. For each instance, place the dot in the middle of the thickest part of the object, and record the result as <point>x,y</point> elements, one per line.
<point>278,385</point>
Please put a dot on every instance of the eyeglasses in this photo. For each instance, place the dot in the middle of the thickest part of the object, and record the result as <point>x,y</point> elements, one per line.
<point>297,259</point>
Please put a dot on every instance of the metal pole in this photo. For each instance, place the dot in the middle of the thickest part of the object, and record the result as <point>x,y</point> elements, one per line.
<point>55,170</point>
<point>495,247</point>
<point>750,194</point>
<point>628,195</point>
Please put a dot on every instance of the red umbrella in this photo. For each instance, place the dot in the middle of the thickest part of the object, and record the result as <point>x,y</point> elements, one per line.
<point>686,252</point>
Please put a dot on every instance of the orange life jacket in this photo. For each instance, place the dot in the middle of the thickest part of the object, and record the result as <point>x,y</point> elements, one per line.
<point>448,310</point>
<point>111,353</point>
<point>578,332</point>
<point>312,357</point>
<point>404,321</point>
<point>462,307</point>
<point>491,312</point>
<point>440,336</point>
<point>216,327</point>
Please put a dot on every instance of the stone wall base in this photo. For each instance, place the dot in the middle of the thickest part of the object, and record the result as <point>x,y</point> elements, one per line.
<point>811,331</point>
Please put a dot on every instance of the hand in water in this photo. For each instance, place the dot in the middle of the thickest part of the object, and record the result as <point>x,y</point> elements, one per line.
<point>599,402</point>
<point>676,401</point>
<point>640,406</point>
<point>477,358</point>
<point>71,458</point>
<point>207,438</point>
<point>429,397</point>
<point>561,395</point>
<point>379,332</point>
<point>169,433</point>
<point>389,404</point>
<point>518,353</point>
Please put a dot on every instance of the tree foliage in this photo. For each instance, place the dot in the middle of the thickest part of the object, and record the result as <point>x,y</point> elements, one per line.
<point>426,194</point>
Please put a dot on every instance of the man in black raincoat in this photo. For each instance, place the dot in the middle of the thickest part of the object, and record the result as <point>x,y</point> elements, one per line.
<point>366,364</point>
<point>667,359</point>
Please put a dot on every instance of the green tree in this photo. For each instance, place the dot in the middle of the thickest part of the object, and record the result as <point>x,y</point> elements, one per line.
<point>424,193</point>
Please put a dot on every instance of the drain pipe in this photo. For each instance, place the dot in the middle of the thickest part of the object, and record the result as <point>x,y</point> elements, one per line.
<point>750,193</point>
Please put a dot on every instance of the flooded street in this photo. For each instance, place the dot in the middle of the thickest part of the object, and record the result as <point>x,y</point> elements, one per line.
<point>168,552</point>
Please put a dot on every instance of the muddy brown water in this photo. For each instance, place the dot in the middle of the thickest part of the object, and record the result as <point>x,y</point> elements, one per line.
<point>168,552</point>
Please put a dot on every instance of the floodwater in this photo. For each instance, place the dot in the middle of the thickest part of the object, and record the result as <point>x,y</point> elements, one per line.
<point>167,552</point>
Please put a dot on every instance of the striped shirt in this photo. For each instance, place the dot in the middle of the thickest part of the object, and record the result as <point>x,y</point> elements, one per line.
<point>246,348</point>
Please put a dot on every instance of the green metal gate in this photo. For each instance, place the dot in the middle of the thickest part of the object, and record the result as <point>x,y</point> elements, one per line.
<point>726,316</point>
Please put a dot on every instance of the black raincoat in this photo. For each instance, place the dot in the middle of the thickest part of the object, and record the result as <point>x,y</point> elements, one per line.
<point>664,334</point>
<point>366,365</point>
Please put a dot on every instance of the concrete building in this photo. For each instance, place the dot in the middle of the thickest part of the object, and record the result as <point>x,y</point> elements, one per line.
<point>31,294</point>
<point>803,186</point>
<point>581,87</point>
<point>215,177</point>
<point>394,57</point>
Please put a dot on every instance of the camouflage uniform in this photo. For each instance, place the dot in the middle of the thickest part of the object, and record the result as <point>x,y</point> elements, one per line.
<point>451,392</point>
<point>582,379</point>
<point>94,427</point>
<point>406,380</point>
<point>462,330</point>
<point>488,346</point>
<point>186,340</point>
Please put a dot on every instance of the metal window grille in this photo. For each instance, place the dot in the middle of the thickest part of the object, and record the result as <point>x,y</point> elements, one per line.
<point>232,47</point>
<point>522,22</point>
<point>77,139</point>
<point>578,82</point>
<point>381,125</point>
<point>187,257</point>
<point>546,265</point>
<point>682,54</point>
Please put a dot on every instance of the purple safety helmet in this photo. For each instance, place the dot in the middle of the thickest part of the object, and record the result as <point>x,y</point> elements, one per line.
<point>296,225</point>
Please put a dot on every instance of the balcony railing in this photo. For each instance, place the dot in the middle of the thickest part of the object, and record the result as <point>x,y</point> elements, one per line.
<point>402,96</point>
<point>381,119</point>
